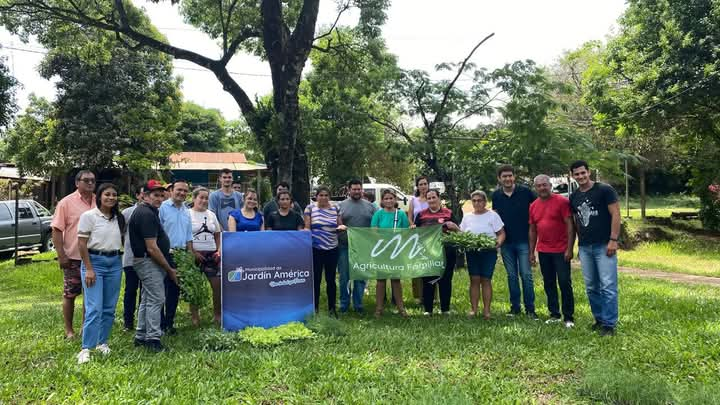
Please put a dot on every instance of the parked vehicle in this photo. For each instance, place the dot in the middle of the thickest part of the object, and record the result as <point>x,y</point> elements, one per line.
<point>34,229</point>
<point>376,189</point>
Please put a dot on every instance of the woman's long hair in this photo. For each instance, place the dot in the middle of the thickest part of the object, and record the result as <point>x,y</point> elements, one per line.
<point>115,210</point>
<point>417,181</point>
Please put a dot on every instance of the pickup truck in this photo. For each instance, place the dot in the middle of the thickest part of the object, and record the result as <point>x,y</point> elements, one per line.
<point>34,229</point>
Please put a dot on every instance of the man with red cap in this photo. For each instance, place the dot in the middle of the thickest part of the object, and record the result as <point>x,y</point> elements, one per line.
<point>151,250</point>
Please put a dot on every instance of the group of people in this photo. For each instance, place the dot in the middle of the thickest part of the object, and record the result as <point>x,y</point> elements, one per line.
<point>96,243</point>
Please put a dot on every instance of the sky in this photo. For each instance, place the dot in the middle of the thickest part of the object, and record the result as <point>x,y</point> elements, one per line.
<point>422,33</point>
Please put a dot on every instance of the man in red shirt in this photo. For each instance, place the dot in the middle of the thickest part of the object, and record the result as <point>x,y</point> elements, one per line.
<point>552,234</point>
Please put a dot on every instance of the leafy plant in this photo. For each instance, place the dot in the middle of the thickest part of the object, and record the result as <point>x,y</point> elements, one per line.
<point>193,285</point>
<point>216,340</point>
<point>469,241</point>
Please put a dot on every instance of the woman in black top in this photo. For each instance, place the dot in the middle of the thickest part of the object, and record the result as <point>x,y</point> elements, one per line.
<point>285,218</point>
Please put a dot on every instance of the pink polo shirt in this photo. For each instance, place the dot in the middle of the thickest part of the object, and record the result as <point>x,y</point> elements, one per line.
<point>66,219</point>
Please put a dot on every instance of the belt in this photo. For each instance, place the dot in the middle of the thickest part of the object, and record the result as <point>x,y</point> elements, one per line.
<point>111,253</point>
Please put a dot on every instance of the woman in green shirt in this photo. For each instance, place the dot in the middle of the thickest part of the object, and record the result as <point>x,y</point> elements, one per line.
<point>392,218</point>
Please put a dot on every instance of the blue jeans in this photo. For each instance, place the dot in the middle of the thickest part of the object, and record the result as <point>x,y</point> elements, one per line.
<point>357,289</point>
<point>100,299</point>
<point>517,263</point>
<point>600,273</point>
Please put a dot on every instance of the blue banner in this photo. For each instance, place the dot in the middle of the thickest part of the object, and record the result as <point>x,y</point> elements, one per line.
<point>267,278</point>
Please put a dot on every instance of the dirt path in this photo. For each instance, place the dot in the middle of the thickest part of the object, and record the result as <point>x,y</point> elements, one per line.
<point>674,277</point>
<point>664,275</point>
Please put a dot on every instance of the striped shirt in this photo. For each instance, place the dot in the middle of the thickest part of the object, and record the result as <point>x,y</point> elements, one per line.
<point>323,224</point>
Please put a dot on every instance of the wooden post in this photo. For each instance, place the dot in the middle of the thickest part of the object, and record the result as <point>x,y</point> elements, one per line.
<point>627,191</point>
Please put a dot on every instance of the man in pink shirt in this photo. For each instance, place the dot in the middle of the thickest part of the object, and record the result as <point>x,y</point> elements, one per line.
<point>552,234</point>
<point>64,235</point>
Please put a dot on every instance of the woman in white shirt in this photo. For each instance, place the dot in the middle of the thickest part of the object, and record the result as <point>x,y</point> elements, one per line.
<point>206,242</point>
<point>481,263</point>
<point>100,233</point>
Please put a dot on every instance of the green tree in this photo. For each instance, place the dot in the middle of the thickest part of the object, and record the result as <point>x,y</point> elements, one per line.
<point>119,112</point>
<point>30,141</point>
<point>201,129</point>
<point>659,84</point>
<point>282,32</point>
<point>7,96</point>
<point>441,107</point>
<point>343,141</point>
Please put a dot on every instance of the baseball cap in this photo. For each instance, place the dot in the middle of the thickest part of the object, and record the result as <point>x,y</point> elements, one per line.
<point>153,185</point>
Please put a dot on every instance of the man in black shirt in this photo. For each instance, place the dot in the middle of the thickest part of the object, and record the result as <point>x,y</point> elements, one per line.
<point>151,250</point>
<point>512,202</point>
<point>597,220</point>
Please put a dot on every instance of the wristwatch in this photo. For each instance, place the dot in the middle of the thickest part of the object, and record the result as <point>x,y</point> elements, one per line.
<point>614,239</point>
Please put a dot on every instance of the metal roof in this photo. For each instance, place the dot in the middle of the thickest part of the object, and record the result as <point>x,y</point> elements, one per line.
<point>213,161</point>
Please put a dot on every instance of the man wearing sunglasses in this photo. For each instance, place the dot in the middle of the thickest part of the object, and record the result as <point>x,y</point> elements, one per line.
<point>64,235</point>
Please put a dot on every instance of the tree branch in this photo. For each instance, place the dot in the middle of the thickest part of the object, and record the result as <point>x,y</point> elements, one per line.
<point>472,112</point>
<point>241,36</point>
<point>400,130</point>
<point>301,39</point>
<point>344,8</point>
<point>451,85</point>
<point>418,99</point>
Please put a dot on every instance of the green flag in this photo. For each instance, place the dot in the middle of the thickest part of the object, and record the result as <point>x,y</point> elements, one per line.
<point>376,254</point>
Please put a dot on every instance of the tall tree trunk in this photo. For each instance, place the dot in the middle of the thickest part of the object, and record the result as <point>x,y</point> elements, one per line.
<point>301,175</point>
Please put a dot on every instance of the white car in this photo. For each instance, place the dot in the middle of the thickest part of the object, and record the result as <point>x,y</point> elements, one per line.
<point>376,189</point>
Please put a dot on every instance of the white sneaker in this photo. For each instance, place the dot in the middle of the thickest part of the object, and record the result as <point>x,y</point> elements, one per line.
<point>84,356</point>
<point>426,313</point>
<point>446,313</point>
<point>103,348</point>
<point>569,324</point>
<point>552,320</point>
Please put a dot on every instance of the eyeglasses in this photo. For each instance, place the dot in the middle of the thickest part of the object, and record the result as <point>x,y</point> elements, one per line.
<point>477,201</point>
<point>88,181</point>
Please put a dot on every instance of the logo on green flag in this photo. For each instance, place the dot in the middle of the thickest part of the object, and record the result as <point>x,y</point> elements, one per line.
<point>376,254</point>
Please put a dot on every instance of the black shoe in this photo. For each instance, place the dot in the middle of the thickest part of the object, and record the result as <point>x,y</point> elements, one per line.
<point>596,326</point>
<point>513,312</point>
<point>170,331</point>
<point>534,316</point>
<point>138,342</point>
<point>155,345</point>
<point>333,313</point>
<point>607,331</point>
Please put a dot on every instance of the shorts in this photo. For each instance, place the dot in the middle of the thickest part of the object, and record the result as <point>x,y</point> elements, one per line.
<point>481,262</point>
<point>210,266</point>
<point>72,284</point>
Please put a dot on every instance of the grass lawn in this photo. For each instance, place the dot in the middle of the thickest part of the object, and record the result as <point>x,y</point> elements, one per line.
<point>667,350</point>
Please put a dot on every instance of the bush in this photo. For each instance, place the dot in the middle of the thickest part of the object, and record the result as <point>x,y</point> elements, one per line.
<point>710,211</point>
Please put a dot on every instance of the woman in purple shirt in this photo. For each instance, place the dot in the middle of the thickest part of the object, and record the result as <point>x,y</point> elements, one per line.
<point>418,203</point>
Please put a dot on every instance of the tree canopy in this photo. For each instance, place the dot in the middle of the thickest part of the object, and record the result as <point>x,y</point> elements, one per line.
<point>201,129</point>
<point>121,112</point>
<point>8,107</point>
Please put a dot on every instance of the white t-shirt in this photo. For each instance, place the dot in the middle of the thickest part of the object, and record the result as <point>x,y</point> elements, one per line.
<point>488,223</point>
<point>204,226</point>
<point>102,234</point>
